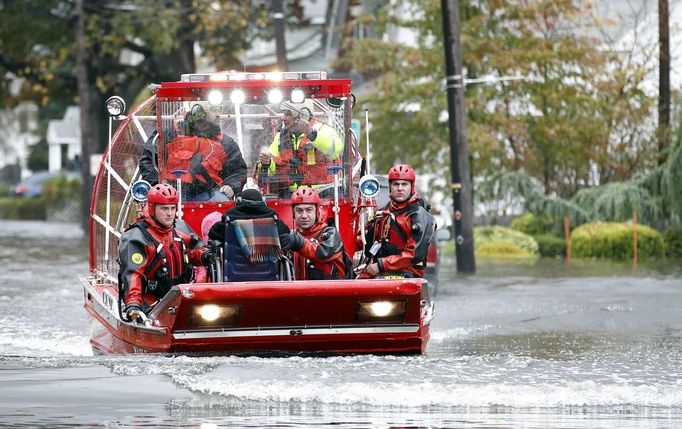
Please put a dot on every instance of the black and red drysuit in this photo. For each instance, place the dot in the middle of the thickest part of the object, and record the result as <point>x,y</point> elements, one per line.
<point>398,238</point>
<point>153,259</point>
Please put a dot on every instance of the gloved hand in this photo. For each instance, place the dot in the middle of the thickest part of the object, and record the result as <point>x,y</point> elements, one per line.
<point>133,311</point>
<point>295,162</point>
<point>208,256</point>
<point>297,241</point>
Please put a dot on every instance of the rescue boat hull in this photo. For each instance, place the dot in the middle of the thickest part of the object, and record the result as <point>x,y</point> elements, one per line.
<point>271,317</point>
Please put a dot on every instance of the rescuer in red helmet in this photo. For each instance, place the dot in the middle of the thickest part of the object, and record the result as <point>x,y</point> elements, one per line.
<point>153,255</point>
<point>399,235</point>
<point>319,249</point>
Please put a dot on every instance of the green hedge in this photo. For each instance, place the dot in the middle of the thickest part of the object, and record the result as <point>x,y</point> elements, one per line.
<point>496,240</point>
<point>22,208</point>
<point>673,242</point>
<point>550,245</point>
<point>615,241</point>
<point>531,224</point>
<point>61,188</point>
<point>502,250</point>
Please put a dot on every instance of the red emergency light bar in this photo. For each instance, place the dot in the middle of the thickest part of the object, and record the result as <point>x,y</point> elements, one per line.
<point>254,85</point>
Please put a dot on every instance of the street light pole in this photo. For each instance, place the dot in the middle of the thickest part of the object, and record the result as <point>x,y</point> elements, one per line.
<point>459,152</point>
<point>280,44</point>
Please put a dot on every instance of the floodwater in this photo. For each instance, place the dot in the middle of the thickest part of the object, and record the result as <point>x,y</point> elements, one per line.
<point>589,345</point>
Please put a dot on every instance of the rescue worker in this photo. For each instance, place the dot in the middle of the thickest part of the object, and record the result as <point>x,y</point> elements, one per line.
<point>211,161</point>
<point>319,249</point>
<point>398,236</point>
<point>301,152</point>
<point>154,256</point>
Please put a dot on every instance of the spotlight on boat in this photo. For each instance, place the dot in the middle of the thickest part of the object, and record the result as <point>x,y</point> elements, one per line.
<point>369,186</point>
<point>274,96</point>
<point>215,98</point>
<point>210,315</point>
<point>115,105</point>
<point>381,311</point>
<point>297,95</point>
<point>237,96</point>
<point>139,190</point>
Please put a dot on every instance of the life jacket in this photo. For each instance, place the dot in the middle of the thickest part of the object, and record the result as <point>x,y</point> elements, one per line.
<point>161,282</point>
<point>311,166</point>
<point>387,230</point>
<point>200,157</point>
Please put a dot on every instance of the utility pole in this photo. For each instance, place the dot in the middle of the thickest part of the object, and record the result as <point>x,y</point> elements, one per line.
<point>87,134</point>
<point>459,152</point>
<point>280,42</point>
<point>663,81</point>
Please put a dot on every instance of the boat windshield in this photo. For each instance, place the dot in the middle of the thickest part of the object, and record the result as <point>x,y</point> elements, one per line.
<point>284,145</point>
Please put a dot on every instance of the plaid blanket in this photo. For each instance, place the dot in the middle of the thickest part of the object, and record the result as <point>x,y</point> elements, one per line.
<point>258,239</point>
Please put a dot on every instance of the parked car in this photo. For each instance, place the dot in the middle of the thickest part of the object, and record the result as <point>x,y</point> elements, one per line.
<point>33,185</point>
<point>433,256</point>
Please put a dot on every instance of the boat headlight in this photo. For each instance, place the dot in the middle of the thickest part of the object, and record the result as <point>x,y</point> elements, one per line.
<point>212,315</point>
<point>381,311</point>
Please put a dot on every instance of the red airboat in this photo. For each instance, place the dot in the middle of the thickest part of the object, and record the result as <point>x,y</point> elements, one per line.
<point>284,315</point>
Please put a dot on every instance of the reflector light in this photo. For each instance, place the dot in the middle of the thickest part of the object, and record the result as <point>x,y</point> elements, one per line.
<point>369,186</point>
<point>297,95</point>
<point>381,311</point>
<point>237,96</point>
<point>115,105</point>
<point>212,315</point>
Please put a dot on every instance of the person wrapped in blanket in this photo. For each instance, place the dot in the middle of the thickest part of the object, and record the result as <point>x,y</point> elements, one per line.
<point>250,205</point>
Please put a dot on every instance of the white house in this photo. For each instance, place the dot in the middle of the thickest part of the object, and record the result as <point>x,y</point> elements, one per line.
<point>18,131</point>
<point>64,134</point>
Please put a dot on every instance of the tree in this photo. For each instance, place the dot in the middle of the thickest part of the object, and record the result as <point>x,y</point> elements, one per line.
<point>37,44</point>
<point>578,119</point>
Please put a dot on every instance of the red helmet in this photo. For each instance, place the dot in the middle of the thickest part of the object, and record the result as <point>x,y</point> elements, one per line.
<point>305,196</point>
<point>401,172</point>
<point>161,193</point>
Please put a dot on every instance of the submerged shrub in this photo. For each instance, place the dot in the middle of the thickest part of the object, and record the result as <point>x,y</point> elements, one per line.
<point>494,235</point>
<point>502,250</point>
<point>551,245</point>
<point>532,224</point>
<point>615,241</point>
<point>20,208</point>
<point>673,242</point>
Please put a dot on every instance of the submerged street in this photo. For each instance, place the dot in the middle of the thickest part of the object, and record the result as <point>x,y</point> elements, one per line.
<point>535,345</point>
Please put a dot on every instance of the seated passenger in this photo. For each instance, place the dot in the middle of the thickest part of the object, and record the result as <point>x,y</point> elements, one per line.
<point>212,162</point>
<point>250,205</point>
<point>301,152</point>
<point>319,249</point>
<point>154,256</point>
